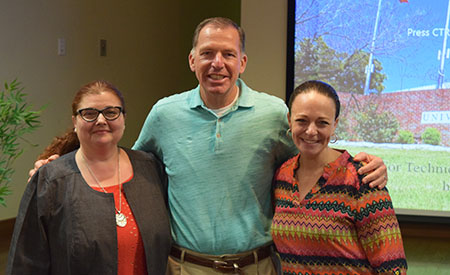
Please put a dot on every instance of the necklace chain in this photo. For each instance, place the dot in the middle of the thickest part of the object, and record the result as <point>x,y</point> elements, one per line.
<point>98,182</point>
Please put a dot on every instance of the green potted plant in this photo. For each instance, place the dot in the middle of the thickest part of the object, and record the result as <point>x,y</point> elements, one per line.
<point>16,120</point>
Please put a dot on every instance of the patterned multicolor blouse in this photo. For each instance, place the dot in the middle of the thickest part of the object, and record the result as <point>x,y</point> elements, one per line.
<point>342,226</point>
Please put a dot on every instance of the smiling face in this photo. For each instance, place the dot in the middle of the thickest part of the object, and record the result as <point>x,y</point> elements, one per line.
<point>100,132</point>
<point>312,122</point>
<point>217,61</point>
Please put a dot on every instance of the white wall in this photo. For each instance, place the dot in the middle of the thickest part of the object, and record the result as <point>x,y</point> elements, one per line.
<point>265,25</point>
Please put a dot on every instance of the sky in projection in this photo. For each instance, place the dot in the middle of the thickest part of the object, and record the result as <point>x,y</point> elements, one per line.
<point>408,39</point>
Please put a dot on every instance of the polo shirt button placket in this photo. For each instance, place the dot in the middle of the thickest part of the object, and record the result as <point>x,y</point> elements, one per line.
<point>218,133</point>
<point>218,128</point>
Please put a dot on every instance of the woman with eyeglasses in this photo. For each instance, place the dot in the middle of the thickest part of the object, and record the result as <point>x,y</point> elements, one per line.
<point>100,208</point>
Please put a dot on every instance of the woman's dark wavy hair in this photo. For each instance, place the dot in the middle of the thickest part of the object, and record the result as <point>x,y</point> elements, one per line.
<point>319,87</point>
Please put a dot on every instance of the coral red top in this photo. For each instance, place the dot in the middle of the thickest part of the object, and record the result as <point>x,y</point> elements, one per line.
<point>131,254</point>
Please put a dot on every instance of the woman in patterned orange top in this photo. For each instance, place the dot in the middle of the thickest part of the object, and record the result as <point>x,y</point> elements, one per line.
<point>327,221</point>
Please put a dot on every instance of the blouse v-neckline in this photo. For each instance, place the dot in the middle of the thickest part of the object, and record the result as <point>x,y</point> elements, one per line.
<point>328,170</point>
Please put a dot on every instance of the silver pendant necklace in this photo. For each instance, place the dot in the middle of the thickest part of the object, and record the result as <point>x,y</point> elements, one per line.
<point>121,219</point>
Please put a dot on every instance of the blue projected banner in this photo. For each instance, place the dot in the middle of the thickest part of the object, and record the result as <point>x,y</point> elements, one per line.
<point>389,60</point>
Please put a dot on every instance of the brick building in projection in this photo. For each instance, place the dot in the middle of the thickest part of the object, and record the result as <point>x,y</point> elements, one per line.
<point>414,110</point>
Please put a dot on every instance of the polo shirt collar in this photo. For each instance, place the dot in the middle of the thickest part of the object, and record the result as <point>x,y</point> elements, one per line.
<point>245,99</point>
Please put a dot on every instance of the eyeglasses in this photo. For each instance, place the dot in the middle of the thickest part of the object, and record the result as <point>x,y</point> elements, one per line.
<point>91,114</point>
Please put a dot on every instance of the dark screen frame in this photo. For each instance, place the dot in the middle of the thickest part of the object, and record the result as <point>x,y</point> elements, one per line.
<point>290,54</point>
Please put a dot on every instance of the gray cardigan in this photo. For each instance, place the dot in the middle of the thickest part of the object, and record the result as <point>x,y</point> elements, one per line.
<point>66,227</point>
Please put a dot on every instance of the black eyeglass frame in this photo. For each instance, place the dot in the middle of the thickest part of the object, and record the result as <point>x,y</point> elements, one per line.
<point>100,112</point>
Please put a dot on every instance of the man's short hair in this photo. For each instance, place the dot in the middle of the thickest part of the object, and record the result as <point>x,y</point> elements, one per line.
<point>219,22</point>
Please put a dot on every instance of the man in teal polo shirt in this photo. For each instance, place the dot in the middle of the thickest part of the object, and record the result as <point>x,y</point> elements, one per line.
<point>221,143</point>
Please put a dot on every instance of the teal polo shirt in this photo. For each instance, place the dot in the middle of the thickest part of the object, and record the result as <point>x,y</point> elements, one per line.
<point>219,169</point>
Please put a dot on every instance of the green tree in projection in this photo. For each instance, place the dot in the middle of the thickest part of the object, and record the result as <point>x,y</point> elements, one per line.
<point>314,59</point>
<point>334,40</point>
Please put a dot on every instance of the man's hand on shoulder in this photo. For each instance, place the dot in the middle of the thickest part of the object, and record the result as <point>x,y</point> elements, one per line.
<point>41,162</point>
<point>375,169</point>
